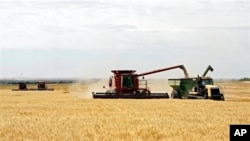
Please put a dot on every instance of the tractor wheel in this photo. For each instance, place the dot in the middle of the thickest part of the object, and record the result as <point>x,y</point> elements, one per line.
<point>175,94</point>
<point>222,97</point>
<point>205,96</point>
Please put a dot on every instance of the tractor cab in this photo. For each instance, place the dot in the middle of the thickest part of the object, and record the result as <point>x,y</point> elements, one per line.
<point>203,81</point>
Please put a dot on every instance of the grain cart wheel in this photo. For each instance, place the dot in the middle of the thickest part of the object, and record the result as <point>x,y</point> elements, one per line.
<point>175,94</point>
<point>167,96</point>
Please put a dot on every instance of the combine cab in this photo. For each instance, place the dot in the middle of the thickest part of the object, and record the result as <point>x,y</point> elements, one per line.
<point>22,86</point>
<point>126,84</point>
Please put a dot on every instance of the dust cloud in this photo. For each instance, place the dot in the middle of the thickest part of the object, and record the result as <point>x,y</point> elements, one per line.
<point>85,89</point>
<point>159,86</point>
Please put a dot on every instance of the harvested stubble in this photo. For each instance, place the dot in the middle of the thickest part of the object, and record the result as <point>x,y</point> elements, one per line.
<point>62,116</point>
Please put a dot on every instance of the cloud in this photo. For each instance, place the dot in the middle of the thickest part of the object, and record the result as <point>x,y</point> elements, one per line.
<point>145,15</point>
<point>159,33</point>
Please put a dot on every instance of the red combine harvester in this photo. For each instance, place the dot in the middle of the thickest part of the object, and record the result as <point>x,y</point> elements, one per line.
<point>41,86</point>
<point>126,84</point>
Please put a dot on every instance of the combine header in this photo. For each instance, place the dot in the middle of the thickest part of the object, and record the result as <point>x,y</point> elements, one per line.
<point>41,86</point>
<point>126,84</point>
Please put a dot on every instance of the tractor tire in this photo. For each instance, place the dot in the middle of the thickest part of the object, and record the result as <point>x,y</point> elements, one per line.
<point>222,98</point>
<point>205,96</point>
<point>175,94</point>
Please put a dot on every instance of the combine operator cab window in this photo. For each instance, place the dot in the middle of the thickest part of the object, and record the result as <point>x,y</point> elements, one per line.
<point>128,81</point>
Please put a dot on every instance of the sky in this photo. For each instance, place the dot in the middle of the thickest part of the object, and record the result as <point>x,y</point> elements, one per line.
<point>89,38</point>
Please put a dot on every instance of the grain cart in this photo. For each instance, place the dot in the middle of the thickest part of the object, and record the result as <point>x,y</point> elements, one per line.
<point>196,87</point>
<point>126,84</point>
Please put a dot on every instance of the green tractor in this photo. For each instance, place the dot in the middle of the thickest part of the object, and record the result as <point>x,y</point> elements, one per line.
<point>196,87</point>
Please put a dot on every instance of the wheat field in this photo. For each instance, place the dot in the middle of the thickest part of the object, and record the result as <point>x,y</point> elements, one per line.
<point>69,113</point>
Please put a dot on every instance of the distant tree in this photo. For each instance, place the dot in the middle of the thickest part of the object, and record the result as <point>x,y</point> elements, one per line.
<point>245,79</point>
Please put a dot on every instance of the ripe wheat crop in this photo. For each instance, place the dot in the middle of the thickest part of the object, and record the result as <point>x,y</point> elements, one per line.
<point>64,114</point>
